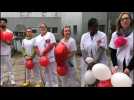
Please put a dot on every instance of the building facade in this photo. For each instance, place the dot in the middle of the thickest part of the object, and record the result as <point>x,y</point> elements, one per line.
<point>78,21</point>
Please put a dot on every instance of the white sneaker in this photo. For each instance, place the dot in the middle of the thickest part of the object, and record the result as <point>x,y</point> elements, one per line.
<point>47,84</point>
<point>55,85</point>
<point>13,82</point>
<point>1,83</point>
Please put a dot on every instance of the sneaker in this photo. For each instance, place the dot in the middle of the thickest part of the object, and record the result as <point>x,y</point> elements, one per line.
<point>13,82</point>
<point>1,83</point>
<point>38,85</point>
<point>55,85</point>
<point>26,84</point>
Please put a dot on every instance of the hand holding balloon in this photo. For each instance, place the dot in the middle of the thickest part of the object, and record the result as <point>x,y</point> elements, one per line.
<point>28,57</point>
<point>29,64</point>
<point>120,41</point>
<point>114,69</point>
<point>126,71</point>
<point>44,61</point>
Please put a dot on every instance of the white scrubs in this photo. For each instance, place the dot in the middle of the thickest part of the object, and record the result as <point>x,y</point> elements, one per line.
<point>50,72</point>
<point>90,46</point>
<point>5,53</point>
<point>70,77</point>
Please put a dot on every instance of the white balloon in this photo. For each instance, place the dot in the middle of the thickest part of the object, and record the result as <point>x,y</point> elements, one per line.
<point>101,71</point>
<point>89,77</point>
<point>120,79</point>
<point>89,60</point>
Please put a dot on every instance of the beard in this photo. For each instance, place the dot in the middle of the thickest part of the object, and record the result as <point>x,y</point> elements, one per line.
<point>3,26</point>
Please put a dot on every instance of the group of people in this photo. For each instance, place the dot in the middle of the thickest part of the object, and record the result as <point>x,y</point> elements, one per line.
<point>93,44</point>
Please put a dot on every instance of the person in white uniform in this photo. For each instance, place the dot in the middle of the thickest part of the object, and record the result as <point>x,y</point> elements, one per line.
<point>5,53</point>
<point>29,53</point>
<point>93,44</point>
<point>45,42</point>
<point>122,56</point>
<point>71,60</point>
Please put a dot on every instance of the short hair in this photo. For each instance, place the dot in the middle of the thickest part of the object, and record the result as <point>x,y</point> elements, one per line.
<point>118,24</point>
<point>29,28</point>
<point>92,22</point>
<point>3,19</point>
<point>62,31</point>
<point>44,24</point>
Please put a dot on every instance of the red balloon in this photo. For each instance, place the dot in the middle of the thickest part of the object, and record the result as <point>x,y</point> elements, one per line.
<point>62,70</point>
<point>7,37</point>
<point>44,61</point>
<point>105,83</point>
<point>60,60</point>
<point>120,41</point>
<point>61,52</point>
<point>29,64</point>
<point>60,48</point>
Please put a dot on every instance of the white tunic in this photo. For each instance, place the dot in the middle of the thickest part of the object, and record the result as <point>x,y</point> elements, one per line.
<point>71,45</point>
<point>41,43</point>
<point>125,52</point>
<point>90,45</point>
<point>4,48</point>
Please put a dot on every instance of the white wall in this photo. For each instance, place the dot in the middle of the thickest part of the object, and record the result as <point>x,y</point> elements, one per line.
<point>101,16</point>
<point>71,18</point>
<point>34,22</point>
<point>67,18</point>
<point>28,14</point>
<point>10,14</point>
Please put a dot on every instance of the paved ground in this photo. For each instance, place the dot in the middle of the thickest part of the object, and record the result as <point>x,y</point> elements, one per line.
<point>18,68</point>
<point>19,72</point>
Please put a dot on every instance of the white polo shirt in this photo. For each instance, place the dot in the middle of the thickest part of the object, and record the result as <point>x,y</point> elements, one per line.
<point>28,45</point>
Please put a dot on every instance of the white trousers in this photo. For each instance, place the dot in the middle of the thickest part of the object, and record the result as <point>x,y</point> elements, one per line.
<point>68,80</point>
<point>50,75</point>
<point>36,72</point>
<point>83,69</point>
<point>6,61</point>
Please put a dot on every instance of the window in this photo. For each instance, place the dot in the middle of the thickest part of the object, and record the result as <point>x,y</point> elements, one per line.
<point>102,28</point>
<point>75,29</point>
<point>69,26</point>
<point>49,29</point>
<point>34,31</point>
<point>54,30</point>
